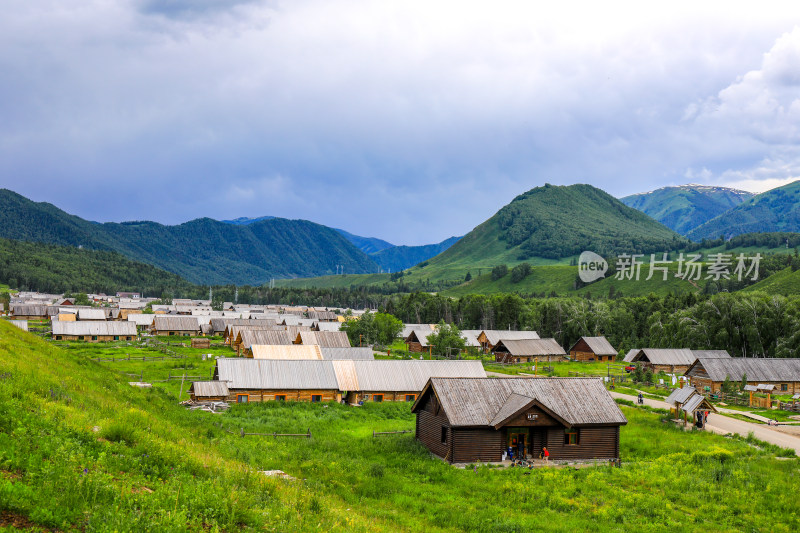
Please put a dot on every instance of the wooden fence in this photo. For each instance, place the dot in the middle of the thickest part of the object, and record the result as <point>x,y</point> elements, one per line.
<point>380,433</point>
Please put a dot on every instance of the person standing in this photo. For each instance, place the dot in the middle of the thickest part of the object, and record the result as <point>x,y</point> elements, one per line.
<point>546,454</point>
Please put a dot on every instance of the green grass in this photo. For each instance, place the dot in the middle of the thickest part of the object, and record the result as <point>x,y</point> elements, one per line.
<point>561,368</point>
<point>56,471</point>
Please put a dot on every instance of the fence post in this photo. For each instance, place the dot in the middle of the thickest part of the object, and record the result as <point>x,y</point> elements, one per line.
<point>242,432</point>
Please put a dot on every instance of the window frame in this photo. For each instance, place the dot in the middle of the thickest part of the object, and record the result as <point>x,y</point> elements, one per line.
<point>444,435</point>
<point>280,397</point>
<point>318,398</point>
<point>570,435</point>
<point>377,398</point>
<point>239,397</point>
<point>411,397</point>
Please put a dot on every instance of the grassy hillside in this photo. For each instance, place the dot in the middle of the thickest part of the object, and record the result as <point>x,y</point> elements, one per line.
<point>82,450</point>
<point>686,207</point>
<point>202,251</point>
<point>773,211</point>
<point>55,269</point>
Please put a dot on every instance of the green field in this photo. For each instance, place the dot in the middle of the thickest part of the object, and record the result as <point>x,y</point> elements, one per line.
<point>80,449</point>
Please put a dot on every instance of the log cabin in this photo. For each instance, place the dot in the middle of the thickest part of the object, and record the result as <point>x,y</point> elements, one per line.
<point>209,391</point>
<point>94,331</point>
<point>463,420</point>
<point>489,338</point>
<point>175,325</point>
<point>30,312</point>
<point>711,372</point>
<point>592,349</point>
<point>417,340</point>
<point>526,350</point>
<point>250,380</point>
<point>672,360</point>
<point>248,338</point>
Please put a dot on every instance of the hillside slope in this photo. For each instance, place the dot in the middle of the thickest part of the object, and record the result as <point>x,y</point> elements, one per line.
<point>772,211</point>
<point>399,258</point>
<point>203,251</point>
<point>548,224</point>
<point>686,207</point>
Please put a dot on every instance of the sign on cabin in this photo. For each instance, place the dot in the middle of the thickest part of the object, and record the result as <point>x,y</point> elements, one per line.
<point>532,416</point>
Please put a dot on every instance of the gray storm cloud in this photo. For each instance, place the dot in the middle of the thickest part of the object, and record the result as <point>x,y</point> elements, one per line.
<point>403,120</point>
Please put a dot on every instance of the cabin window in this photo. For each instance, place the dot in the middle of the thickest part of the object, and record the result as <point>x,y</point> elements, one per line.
<point>171,333</point>
<point>444,434</point>
<point>280,398</point>
<point>316,398</point>
<point>58,337</point>
<point>116,337</point>
<point>411,397</point>
<point>784,386</point>
<point>94,337</point>
<point>242,398</point>
<point>377,398</point>
<point>127,338</point>
<point>571,436</point>
<point>80,337</point>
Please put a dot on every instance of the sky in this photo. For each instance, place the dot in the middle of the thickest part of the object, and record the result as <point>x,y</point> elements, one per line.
<point>408,121</point>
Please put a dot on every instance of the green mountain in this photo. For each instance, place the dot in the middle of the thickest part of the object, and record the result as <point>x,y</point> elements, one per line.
<point>686,207</point>
<point>53,268</point>
<point>399,258</point>
<point>776,210</point>
<point>557,222</point>
<point>368,245</point>
<point>203,251</point>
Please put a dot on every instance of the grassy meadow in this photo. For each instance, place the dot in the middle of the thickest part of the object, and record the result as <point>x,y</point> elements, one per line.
<point>80,449</point>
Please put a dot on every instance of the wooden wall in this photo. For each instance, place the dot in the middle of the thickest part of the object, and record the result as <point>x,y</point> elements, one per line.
<point>477,444</point>
<point>429,429</point>
<point>388,396</point>
<point>88,338</point>
<point>291,395</point>
<point>593,443</point>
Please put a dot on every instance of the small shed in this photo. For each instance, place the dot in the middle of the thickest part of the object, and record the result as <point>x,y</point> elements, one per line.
<point>209,391</point>
<point>688,400</point>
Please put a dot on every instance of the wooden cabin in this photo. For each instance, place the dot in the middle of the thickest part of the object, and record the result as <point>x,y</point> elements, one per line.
<point>489,338</point>
<point>30,312</point>
<point>478,419</point>
<point>672,360</point>
<point>592,349</point>
<point>85,314</point>
<point>711,372</point>
<point>94,331</point>
<point>527,350</point>
<point>417,340</point>
<point>172,325</point>
<point>335,380</point>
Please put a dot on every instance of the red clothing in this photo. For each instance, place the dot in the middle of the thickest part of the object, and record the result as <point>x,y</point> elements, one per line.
<point>546,453</point>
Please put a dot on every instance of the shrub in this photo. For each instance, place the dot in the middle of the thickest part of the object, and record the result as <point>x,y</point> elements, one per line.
<point>520,272</point>
<point>499,271</point>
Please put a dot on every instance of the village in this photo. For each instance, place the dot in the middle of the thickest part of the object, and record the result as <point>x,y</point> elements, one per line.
<point>509,398</point>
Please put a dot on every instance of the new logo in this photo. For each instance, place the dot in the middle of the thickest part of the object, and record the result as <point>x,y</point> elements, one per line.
<point>591,267</point>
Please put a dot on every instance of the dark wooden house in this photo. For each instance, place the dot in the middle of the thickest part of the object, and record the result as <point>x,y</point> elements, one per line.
<point>526,350</point>
<point>478,419</point>
<point>489,338</point>
<point>711,372</point>
<point>592,349</point>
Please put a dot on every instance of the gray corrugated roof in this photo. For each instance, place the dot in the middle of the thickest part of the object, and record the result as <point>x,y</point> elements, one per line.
<point>175,323</point>
<point>514,404</point>
<point>630,355</point>
<point>531,347</point>
<point>763,370</point>
<point>679,396</point>
<point>92,314</point>
<point>410,375</point>
<point>267,374</point>
<point>210,388</point>
<point>327,326</point>
<point>598,345</point>
<point>347,354</point>
<point>666,356</point>
<point>471,336</point>
<point>328,339</point>
<point>141,319</point>
<point>476,402</point>
<point>95,327</point>
<point>711,354</point>
<point>496,335</point>
<point>258,336</point>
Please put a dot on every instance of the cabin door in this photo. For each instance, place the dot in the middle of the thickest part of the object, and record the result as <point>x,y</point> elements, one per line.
<point>537,441</point>
<point>518,441</point>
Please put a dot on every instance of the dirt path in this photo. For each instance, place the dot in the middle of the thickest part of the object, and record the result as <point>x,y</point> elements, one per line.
<point>723,425</point>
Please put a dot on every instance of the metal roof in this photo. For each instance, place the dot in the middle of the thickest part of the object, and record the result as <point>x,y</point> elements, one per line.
<point>410,375</point>
<point>328,339</point>
<point>141,319</point>
<point>711,354</point>
<point>530,347</point>
<point>268,374</point>
<point>28,310</point>
<point>750,388</point>
<point>514,404</point>
<point>679,396</point>
<point>95,327</point>
<point>496,335</point>
<point>21,324</point>
<point>175,323</point>
<point>477,402</point>
<point>471,336</point>
<point>630,355</point>
<point>665,356</point>
<point>251,337</point>
<point>348,354</point>
<point>92,314</point>
<point>327,326</point>
<point>292,352</point>
<point>209,389</point>
<point>346,375</point>
<point>762,370</point>
<point>421,335</point>
<point>766,387</point>
<point>598,345</point>
<point>408,328</point>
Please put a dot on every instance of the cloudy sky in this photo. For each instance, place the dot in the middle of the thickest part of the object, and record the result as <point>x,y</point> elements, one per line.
<point>409,121</point>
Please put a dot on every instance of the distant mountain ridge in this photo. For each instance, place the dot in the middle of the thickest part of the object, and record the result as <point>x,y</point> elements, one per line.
<point>399,258</point>
<point>203,251</point>
<point>777,210</point>
<point>685,207</point>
